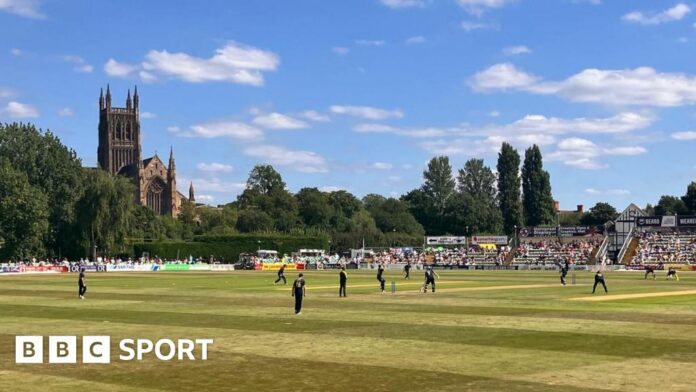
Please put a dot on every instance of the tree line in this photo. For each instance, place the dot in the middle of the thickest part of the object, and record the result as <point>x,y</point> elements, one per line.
<point>50,205</point>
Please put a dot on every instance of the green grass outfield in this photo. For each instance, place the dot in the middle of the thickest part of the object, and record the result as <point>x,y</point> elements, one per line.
<point>497,330</point>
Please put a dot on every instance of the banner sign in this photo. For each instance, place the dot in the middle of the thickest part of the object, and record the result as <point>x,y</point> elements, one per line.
<point>175,267</point>
<point>445,240</point>
<point>132,267</point>
<point>88,268</point>
<point>11,270</point>
<point>686,221</point>
<point>561,231</point>
<point>657,221</point>
<point>44,269</point>
<point>276,266</point>
<point>574,231</point>
<point>538,232</point>
<point>222,267</point>
<point>489,239</point>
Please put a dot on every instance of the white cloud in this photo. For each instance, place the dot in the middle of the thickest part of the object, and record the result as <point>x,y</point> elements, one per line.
<point>214,167</point>
<point>612,192</point>
<point>585,154</point>
<point>367,42</point>
<point>501,76</point>
<point>213,185</point>
<point>313,115</point>
<point>147,115</point>
<point>367,112</point>
<point>340,50</point>
<point>469,26</point>
<point>235,130</point>
<point>514,50</point>
<point>409,132</point>
<point>419,39</point>
<point>641,86</point>
<point>478,7</point>
<point>117,69</point>
<point>485,140</point>
<point>6,92</point>
<point>84,68</point>
<point>382,166</point>
<point>688,135</point>
<point>234,63</point>
<point>278,121</point>
<point>331,188</point>
<point>14,51</point>
<point>19,110</point>
<point>678,12</point>
<point>80,64</point>
<point>207,199</point>
<point>303,161</point>
<point>25,8</point>
<point>147,77</point>
<point>66,112</point>
<point>494,113</point>
<point>397,4</point>
<point>625,151</point>
<point>527,130</point>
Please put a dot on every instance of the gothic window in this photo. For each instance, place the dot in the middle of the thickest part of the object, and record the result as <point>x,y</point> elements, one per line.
<point>129,133</point>
<point>156,195</point>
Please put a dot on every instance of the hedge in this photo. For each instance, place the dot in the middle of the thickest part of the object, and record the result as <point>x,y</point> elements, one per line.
<point>230,246</point>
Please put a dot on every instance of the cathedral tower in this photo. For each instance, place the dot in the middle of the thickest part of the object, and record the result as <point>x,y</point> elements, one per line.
<point>119,133</point>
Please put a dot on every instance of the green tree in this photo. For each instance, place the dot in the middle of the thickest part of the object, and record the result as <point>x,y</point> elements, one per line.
<point>600,214</point>
<point>218,221</point>
<point>55,170</point>
<point>105,211</point>
<point>689,199</point>
<point>343,206</point>
<point>23,215</point>
<point>477,180</point>
<point>421,207</point>
<point>266,192</point>
<point>264,178</point>
<point>373,201</point>
<point>670,205</point>
<point>536,189</point>
<point>392,215</point>
<point>480,202</point>
<point>439,185</point>
<point>314,207</point>
<point>254,220</point>
<point>509,187</point>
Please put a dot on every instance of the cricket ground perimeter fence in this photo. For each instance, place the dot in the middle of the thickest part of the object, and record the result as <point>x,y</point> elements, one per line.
<point>105,268</point>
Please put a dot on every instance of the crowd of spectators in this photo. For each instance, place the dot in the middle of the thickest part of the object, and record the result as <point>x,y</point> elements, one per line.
<point>671,247</point>
<point>34,262</point>
<point>553,250</point>
<point>447,256</point>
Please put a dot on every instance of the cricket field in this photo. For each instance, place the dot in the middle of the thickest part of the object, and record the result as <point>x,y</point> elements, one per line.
<point>482,330</point>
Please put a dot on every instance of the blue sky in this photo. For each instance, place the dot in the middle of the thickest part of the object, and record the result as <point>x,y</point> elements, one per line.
<point>360,94</point>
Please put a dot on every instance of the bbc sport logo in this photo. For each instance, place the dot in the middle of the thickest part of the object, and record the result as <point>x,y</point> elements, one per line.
<point>97,349</point>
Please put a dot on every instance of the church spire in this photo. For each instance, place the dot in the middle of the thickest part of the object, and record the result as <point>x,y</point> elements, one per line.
<point>172,165</point>
<point>108,96</point>
<point>101,98</point>
<point>135,98</point>
<point>128,100</point>
<point>192,197</point>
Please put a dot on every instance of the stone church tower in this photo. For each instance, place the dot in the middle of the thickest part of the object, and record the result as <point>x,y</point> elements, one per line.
<point>119,152</point>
